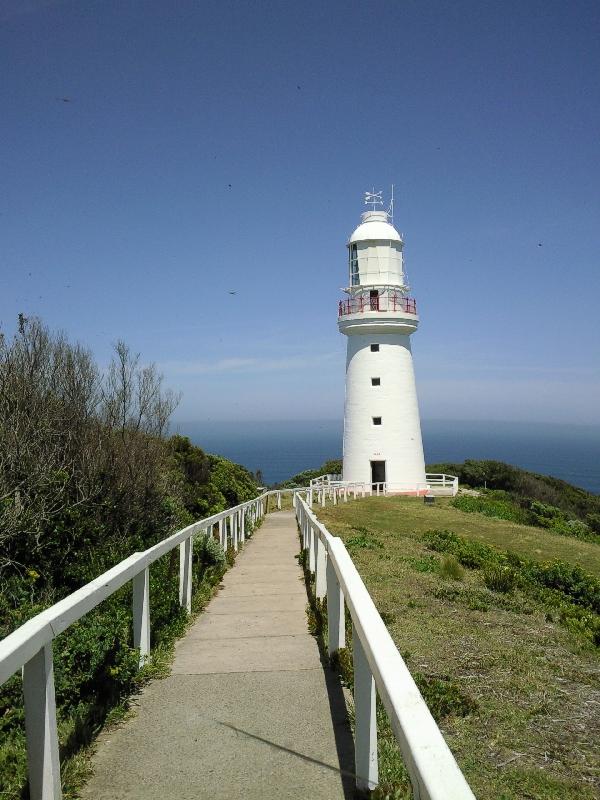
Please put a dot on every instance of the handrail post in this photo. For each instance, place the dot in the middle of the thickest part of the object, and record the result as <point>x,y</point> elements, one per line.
<point>309,498</point>
<point>336,629</point>
<point>243,524</point>
<point>279,501</point>
<point>233,531</point>
<point>322,496</point>
<point>294,499</point>
<point>311,548</point>
<point>185,574</point>
<point>141,614</point>
<point>335,500</point>
<point>222,538</point>
<point>321,566</point>
<point>365,734</point>
<point>40,726</point>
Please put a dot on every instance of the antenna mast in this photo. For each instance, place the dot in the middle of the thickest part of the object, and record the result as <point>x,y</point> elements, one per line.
<point>391,208</point>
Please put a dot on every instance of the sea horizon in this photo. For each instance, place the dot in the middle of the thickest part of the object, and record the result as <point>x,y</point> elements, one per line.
<point>283,448</point>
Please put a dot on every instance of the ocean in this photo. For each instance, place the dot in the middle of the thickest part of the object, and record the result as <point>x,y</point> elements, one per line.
<point>282,449</point>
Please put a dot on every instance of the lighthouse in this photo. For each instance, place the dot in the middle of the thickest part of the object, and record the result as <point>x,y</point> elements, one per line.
<point>382,430</point>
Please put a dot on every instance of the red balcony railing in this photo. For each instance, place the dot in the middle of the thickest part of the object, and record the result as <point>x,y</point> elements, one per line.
<point>383,303</point>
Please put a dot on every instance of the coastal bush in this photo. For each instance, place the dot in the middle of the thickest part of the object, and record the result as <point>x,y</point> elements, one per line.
<point>332,467</point>
<point>525,486</point>
<point>87,477</point>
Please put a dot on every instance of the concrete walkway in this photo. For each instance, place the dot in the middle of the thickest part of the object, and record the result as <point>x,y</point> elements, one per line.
<point>249,711</point>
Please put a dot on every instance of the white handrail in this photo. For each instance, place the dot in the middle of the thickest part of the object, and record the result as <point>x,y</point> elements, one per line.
<point>379,666</point>
<point>30,645</point>
<point>434,483</point>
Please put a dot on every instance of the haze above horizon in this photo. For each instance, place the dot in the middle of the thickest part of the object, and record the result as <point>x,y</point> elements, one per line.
<point>185,177</point>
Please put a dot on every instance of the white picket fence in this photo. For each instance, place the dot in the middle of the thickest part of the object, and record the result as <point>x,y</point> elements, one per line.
<point>30,646</point>
<point>378,669</point>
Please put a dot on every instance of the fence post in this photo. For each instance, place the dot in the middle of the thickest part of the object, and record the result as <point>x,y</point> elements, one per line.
<point>185,574</point>
<point>322,496</point>
<point>141,614</point>
<point>242,513</point>
<point>40,726</point>
<point>334,491</point>
<point>222,539</point>
<point>321,565</point>
<point>365,734</point>
<point>279,501</point>
<point>336,629</point>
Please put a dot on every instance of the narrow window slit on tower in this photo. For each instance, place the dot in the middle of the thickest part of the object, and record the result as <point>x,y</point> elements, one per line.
<point>374,348</point>
<point>375,381</point>
<point>376,420</point>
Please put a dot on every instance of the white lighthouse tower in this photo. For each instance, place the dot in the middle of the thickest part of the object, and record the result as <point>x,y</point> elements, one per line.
<point>382,431</point>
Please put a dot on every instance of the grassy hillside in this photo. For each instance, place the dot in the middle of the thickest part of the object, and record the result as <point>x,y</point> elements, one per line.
<point>497,622</point>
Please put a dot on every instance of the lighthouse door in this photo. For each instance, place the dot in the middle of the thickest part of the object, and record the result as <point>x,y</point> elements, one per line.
<point>377,472</point>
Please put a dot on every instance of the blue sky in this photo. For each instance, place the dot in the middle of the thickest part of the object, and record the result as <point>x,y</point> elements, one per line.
<point>212,147</point>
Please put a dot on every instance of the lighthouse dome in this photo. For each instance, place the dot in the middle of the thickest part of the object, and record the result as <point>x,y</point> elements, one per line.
<point>375,226</point>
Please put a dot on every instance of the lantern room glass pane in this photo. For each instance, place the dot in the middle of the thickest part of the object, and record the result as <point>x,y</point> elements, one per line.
<point>353,256</point>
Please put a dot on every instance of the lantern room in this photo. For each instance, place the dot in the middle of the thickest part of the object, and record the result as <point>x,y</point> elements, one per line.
<point>375,254</point>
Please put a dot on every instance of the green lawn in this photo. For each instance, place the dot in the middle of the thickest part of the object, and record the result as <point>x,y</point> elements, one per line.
<point>535,685</point>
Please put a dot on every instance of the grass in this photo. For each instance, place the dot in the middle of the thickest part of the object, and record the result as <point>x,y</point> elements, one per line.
<point>515,692</point>
<point>409,517</point>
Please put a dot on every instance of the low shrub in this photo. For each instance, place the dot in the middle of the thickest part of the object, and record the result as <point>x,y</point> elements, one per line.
<point>450,568</point>
<point>365,540</point>
<point>469,553</point>
<point>567,587</point>
<point>424,563</point>
<point>499,578</point>
<point>491,506</point>
<point>444,697</point>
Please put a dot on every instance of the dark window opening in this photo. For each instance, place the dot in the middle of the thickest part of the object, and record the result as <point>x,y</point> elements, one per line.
<point>376,420</point>
<point>374,348</point>
<point>374,299</point>
<point>375,381</point>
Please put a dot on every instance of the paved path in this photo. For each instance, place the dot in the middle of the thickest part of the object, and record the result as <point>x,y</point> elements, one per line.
<point>248,711</point>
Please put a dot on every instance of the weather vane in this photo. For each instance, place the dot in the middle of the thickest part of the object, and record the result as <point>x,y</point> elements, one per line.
<point>375,198</point>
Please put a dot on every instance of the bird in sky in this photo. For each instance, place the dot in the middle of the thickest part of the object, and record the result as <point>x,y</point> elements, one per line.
<point>64,99</point>
<point>231,292</point>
